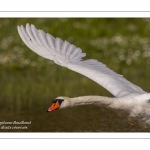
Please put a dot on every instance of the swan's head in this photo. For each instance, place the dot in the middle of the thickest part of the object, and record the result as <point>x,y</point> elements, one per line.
<point>58,103</point>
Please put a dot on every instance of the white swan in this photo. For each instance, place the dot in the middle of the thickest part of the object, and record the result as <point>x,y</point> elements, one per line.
<point>131,101</point>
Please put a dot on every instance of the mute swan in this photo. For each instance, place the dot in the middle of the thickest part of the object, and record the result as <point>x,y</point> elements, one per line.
<point>130,101</point>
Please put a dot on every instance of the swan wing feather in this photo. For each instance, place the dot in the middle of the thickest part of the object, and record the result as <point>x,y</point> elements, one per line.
<point>68,55</point>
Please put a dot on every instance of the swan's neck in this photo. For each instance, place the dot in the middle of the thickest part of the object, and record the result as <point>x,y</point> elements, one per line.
<point>120,106</point>
<point>95,100</point>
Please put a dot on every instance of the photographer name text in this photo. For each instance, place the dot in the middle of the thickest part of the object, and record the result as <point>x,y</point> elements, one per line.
<point>14,124</point>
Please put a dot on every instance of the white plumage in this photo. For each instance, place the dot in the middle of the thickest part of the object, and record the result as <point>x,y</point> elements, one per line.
<point>68,55</point>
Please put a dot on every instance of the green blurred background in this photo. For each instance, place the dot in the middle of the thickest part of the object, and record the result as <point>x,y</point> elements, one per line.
<point>29,82</point>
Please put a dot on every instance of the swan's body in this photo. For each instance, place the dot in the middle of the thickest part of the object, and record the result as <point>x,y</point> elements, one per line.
<point>131,101</point>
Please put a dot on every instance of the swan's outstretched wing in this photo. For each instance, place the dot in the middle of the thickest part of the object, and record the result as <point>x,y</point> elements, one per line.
<point>65,54</point>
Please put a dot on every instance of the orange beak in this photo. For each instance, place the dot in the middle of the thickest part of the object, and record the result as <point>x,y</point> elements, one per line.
<point>54,106</point>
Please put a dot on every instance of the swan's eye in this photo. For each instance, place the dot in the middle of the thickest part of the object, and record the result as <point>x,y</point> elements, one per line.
<point>59,100</point>
<point>54,100</point>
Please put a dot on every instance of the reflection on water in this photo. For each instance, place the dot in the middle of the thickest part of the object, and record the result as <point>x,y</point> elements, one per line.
<point>76,119</point>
